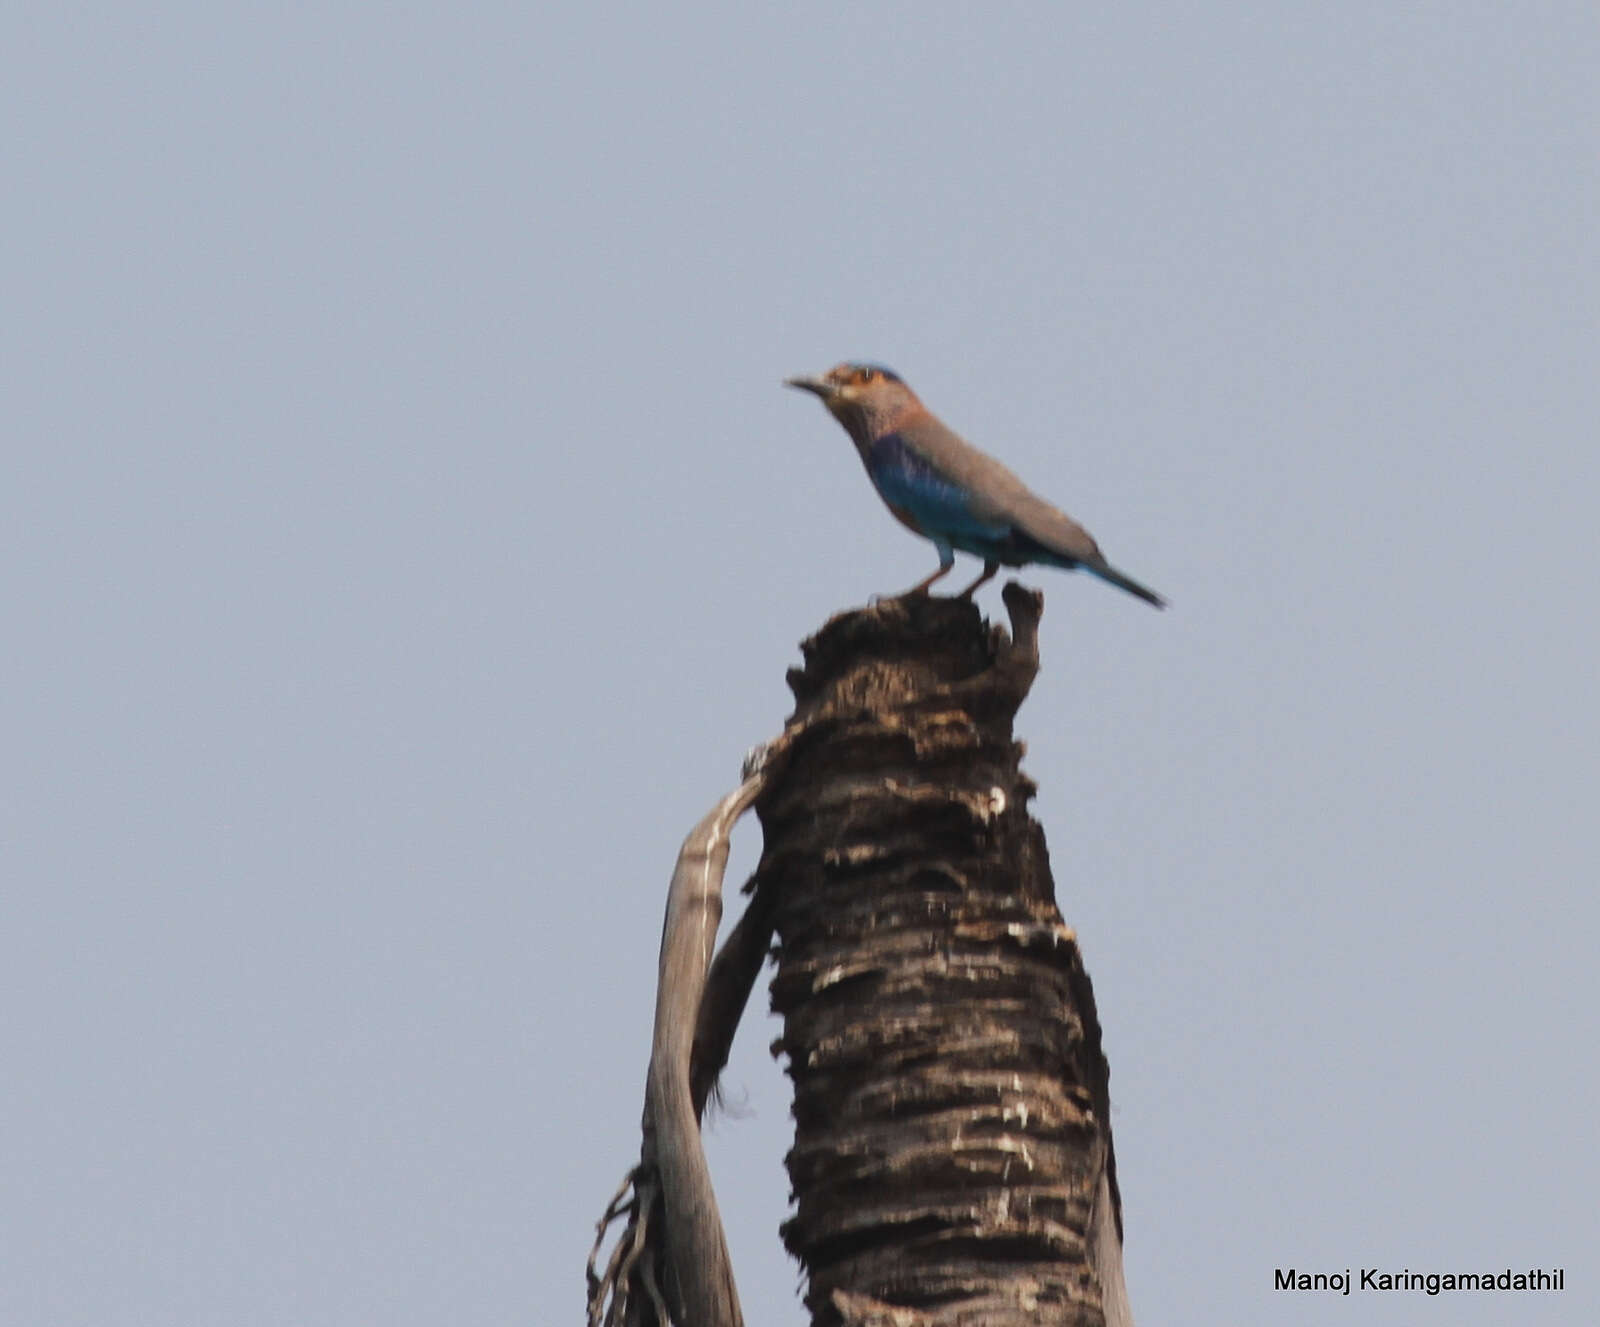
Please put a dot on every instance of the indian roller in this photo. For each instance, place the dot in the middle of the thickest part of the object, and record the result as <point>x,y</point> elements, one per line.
<point>946,490</point>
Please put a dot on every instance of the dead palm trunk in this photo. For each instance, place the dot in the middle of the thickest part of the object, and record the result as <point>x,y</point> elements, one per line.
<point>952,1163</point>
<point>952,1151</point>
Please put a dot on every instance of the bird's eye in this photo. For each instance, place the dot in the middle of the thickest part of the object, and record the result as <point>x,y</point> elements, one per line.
<point>866,375</point>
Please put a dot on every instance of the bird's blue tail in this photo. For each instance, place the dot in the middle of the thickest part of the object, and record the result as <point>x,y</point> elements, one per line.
<point>1106,572</point>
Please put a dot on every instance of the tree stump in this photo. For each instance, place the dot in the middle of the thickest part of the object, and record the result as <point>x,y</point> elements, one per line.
<point>952,1157</point>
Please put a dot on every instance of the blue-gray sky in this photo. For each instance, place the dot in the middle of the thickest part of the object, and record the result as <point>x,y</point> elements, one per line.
<point>403,534</point>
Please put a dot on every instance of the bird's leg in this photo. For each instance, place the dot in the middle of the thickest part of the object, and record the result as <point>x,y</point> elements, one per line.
<point>921,587</point>
<point>947,559</point>
<point>989,569</point>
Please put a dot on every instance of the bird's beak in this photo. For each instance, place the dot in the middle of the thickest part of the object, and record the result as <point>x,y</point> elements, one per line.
<point>817,386</point>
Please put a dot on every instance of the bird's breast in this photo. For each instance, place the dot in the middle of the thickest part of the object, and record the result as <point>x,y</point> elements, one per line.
<point>906,517</point>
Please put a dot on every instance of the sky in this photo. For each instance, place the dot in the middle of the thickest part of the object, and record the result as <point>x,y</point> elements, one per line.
<point>404,534</point>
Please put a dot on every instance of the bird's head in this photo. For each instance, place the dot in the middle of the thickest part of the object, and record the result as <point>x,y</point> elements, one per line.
<point>868,399</point>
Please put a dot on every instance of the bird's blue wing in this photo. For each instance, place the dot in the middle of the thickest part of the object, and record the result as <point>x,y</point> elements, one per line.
<point>909,483</point>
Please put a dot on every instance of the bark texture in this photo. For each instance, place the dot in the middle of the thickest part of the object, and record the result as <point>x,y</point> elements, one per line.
<point>952,1157</point>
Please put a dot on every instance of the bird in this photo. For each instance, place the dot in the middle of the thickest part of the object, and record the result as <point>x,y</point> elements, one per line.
<point>943,488</point>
